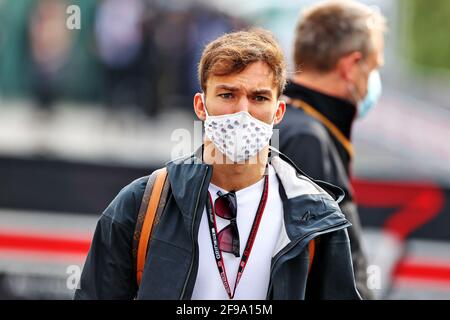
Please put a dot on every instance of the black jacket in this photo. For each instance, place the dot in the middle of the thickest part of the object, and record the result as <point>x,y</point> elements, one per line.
<point>172,263</point>
<point>315,150</point>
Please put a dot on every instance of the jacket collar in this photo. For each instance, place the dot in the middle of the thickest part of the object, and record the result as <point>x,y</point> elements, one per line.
<point>189,179</point>
<point>339,111</point>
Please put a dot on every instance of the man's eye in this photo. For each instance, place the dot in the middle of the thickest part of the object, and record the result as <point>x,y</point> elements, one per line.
<point>261,98</point>
<point>226,95</point>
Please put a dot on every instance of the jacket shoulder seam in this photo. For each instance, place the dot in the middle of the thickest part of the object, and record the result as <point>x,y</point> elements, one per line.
<point>114,220</point>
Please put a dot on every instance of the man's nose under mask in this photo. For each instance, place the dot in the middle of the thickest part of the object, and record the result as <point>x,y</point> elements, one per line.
<point>239,136</point>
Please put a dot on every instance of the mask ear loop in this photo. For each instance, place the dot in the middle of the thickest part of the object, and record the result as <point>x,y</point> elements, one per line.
<point>204,103</point>
<point>203,127</point>
<point>352,88</point>
<point>269,158</point>
<point>353,91</point>
<point>275,115</point>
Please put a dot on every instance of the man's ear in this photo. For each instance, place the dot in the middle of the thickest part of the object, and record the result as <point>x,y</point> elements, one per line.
<point>199,106</point>
<point>279,114</point>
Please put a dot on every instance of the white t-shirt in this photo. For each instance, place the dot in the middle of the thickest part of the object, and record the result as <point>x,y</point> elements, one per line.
<point>255,279</point>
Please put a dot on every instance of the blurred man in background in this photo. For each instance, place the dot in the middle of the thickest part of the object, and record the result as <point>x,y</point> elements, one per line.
<point>50,50</point>
<point>120,49</point>
<point>338,50</point>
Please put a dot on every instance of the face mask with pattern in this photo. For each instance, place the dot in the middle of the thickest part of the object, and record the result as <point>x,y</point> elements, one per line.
<point>239,136</point>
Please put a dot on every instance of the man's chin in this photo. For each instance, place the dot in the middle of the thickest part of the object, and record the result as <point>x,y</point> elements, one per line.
<point>222,158</point>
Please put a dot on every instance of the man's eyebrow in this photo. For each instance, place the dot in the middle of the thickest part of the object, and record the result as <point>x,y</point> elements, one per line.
<point>227,87</point>
<point>234,89</point>
<point>262,91</point>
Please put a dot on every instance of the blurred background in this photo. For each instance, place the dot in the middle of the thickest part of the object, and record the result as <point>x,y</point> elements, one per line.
<point>85,111</point>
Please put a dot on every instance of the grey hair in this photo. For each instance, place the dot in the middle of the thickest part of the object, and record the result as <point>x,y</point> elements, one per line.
<point>332,29</point>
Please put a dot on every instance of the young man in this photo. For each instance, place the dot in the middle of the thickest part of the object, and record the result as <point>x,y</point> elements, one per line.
<point>237,223</point>
<point>338,51</point>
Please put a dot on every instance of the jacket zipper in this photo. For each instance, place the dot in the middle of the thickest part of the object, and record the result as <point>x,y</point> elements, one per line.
<point>293,245</point>
<point>193,238</point>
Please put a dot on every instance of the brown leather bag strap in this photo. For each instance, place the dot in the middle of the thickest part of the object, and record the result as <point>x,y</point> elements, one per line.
<point>141,216</point>
<point>153,202</point>
<point>312,249</point>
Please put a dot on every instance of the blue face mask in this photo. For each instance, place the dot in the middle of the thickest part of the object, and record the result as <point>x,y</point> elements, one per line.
<point>374,89</point>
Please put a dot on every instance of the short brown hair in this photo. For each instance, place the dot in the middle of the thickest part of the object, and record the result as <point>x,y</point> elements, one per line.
<point>330,30</point>
<point>233,52</point>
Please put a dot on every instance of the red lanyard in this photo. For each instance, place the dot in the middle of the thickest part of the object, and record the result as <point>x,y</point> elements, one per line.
<point>248,247</point>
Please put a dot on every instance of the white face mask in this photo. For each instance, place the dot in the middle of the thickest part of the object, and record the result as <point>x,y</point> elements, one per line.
<point>239,136</point>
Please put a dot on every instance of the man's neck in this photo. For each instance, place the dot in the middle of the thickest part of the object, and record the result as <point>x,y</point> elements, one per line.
<point>326,83</point>
<point>234,177</point>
